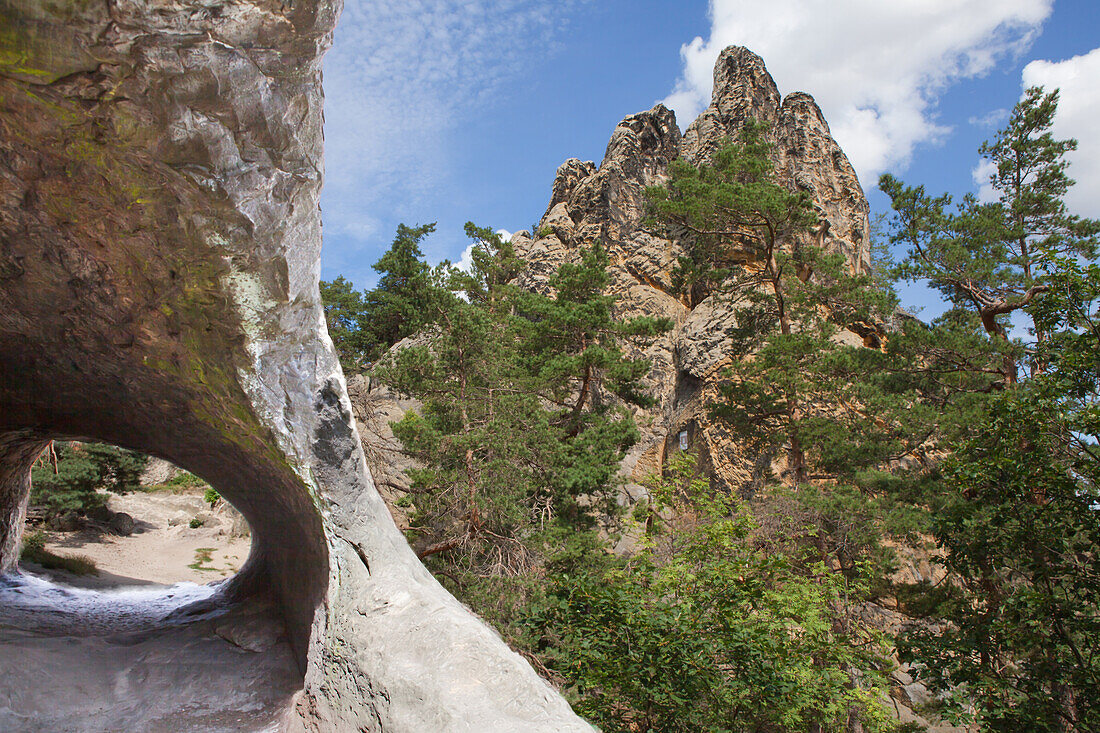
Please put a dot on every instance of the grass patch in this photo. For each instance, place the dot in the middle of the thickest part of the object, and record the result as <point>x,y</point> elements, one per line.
<point>203,557</point>
<point>178,484</point>
<point>34,550</point>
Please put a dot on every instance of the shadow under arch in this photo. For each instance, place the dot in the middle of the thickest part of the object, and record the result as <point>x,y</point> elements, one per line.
<point>287,562</point>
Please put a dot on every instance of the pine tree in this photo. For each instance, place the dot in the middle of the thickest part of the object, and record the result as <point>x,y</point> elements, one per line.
<point>409,295</point>
<point>68,476</point>
<point>986,256</point>
<point>1013,643</point>
<point>517,433</point>
<point>748,239</point>
<point>348,326</point>
<point>409,292</point>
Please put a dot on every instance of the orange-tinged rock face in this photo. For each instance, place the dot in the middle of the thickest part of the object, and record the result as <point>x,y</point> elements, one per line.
<point>607,205</point>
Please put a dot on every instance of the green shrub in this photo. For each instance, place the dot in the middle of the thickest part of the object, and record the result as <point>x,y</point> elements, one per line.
<point>185,480</point>
<point>34,550</point>
<point>704,630</point>
<point>211,496</point>
<point>196,523</point>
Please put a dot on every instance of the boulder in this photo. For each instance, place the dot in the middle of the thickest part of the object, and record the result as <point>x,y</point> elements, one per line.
<point>121,524</point>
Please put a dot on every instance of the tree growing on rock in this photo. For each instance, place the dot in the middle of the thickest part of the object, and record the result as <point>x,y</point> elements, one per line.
<point>750,239</point>
<point>519,438</point>
<point>516,426</point>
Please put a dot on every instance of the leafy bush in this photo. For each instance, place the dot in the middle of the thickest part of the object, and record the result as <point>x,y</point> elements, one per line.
<point>186,480</point>
<point>703,630</point>
<point>211,496</point>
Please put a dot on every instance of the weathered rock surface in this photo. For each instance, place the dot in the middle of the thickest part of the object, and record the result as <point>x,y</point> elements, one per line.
<point>605,204</point>
<point>160,164</point>
<point>158,471</point>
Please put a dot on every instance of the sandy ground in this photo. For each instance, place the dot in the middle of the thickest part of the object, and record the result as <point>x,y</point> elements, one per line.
<point>146,644</point>
<point>163,548</point>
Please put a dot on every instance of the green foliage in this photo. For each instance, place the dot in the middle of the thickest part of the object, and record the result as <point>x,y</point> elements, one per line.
<point>181,482</point>
<point>409,291</point>
<point>1012,639</point>
<point>34,550</point>
<point>1069,313</point>
<point>185,479</point>
<point>348,324</point>
<point>364,324</point>
<point>988,257</point>
<point>195,523</point>
<point>211,496</point>
<point>66,477</point>
<point>794,384</point>
<point>704,631</point>
<point>729,213</point>
<point>1022,535</point>
<point>751,615</point>
<point>493,265</point>
<point>517,432</point>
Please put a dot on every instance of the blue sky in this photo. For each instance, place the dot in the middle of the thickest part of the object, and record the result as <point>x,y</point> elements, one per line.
<point>456,110</point>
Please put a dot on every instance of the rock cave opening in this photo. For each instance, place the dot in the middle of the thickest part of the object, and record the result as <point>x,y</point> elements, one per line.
<point>167,632</point>
<point>102,517</point>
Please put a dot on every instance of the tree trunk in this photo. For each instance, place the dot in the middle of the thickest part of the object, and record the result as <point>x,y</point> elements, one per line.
<point>796,457</point>
<point>997,331</point>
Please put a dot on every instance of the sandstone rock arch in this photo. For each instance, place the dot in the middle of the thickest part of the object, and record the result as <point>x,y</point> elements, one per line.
<point>160,165</point>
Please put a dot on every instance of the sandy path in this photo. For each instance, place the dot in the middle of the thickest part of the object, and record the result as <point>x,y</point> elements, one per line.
<point>164,548</point>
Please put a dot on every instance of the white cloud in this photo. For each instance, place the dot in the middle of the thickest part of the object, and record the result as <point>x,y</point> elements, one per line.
<point>466,261</point>
<point>1078,78</point>
<point>876,68</point>
<point>993,118</point>
<point>401,79</point>
<point>981,173</point>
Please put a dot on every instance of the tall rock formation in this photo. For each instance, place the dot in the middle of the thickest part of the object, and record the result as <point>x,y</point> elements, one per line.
<point>606,205</point>
<point>160,165</point>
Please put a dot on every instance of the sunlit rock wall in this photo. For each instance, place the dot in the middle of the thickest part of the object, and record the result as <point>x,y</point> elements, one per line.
<point>606,204</point>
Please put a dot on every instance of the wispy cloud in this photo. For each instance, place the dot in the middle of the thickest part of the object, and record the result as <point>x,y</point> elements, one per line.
<point>993,118</point>
<point>876,68</point>
<point>400,80</point>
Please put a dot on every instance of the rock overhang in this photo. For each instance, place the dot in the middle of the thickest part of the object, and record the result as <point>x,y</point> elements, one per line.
<point>160,167</point>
